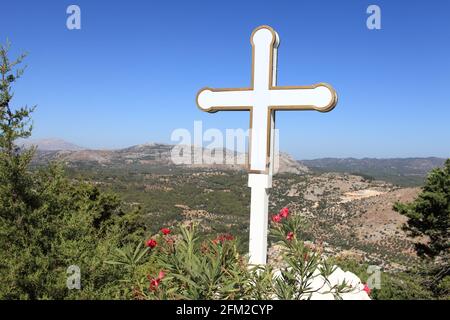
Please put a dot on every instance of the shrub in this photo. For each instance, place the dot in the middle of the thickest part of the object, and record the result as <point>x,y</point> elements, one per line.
<point>180,265</point>
<point>429,218</point>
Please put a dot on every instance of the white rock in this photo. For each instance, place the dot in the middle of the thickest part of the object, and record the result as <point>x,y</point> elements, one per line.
<point>355,288</point>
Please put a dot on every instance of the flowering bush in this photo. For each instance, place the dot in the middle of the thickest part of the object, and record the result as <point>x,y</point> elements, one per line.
<point>303,270</point>
<point>177,264</point>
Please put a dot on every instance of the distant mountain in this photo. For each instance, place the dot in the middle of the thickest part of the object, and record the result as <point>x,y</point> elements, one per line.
<point>50,144</point>
<point>155,155</point>
<point>402,171</point>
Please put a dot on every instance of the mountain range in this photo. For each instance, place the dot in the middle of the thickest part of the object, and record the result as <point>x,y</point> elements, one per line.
<point>148,155</point>
<point>401,171</point>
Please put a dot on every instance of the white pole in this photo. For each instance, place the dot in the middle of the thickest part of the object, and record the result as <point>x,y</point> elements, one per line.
<point>259,184</point>
<point>259,205</point>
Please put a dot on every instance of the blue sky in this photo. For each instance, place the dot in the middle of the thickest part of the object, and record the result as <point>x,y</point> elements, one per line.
<point>111,83</point>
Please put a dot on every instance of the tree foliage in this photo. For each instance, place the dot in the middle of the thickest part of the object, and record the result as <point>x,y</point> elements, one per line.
<point>429,214</point>
<point>48,222</point>
<point>429,218</point>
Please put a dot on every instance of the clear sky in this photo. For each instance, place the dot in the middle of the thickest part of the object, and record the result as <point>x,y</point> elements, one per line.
<point>130,75</point>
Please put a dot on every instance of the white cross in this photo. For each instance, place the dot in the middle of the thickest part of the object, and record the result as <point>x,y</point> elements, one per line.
<point>262,99</point>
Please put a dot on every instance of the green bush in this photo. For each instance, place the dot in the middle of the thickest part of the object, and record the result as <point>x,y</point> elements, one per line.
<point>429,218</point>
<point>68,224</point>
<point>183,266</point>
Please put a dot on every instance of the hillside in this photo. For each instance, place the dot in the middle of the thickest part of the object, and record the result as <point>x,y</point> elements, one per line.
<point>156,157</point>
<point>401,171</point>
<point>348,213</point>
<point>345,212</point>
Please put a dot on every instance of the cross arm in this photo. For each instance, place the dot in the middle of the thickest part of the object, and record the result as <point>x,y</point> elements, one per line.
<point>212,100</point>
<point>321,97</point>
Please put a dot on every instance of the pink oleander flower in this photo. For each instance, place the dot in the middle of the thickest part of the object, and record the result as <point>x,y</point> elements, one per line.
<point>367,289</point>
<point>154,283</point>
<point>290,236</point>
<point>284,213</point>
<point>151,243</point>
<point>165,231</point>
<point>222,238</point>
<point>276,218</point>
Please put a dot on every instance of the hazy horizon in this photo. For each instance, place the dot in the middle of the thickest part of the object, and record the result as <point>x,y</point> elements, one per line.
<point>32,140</point>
